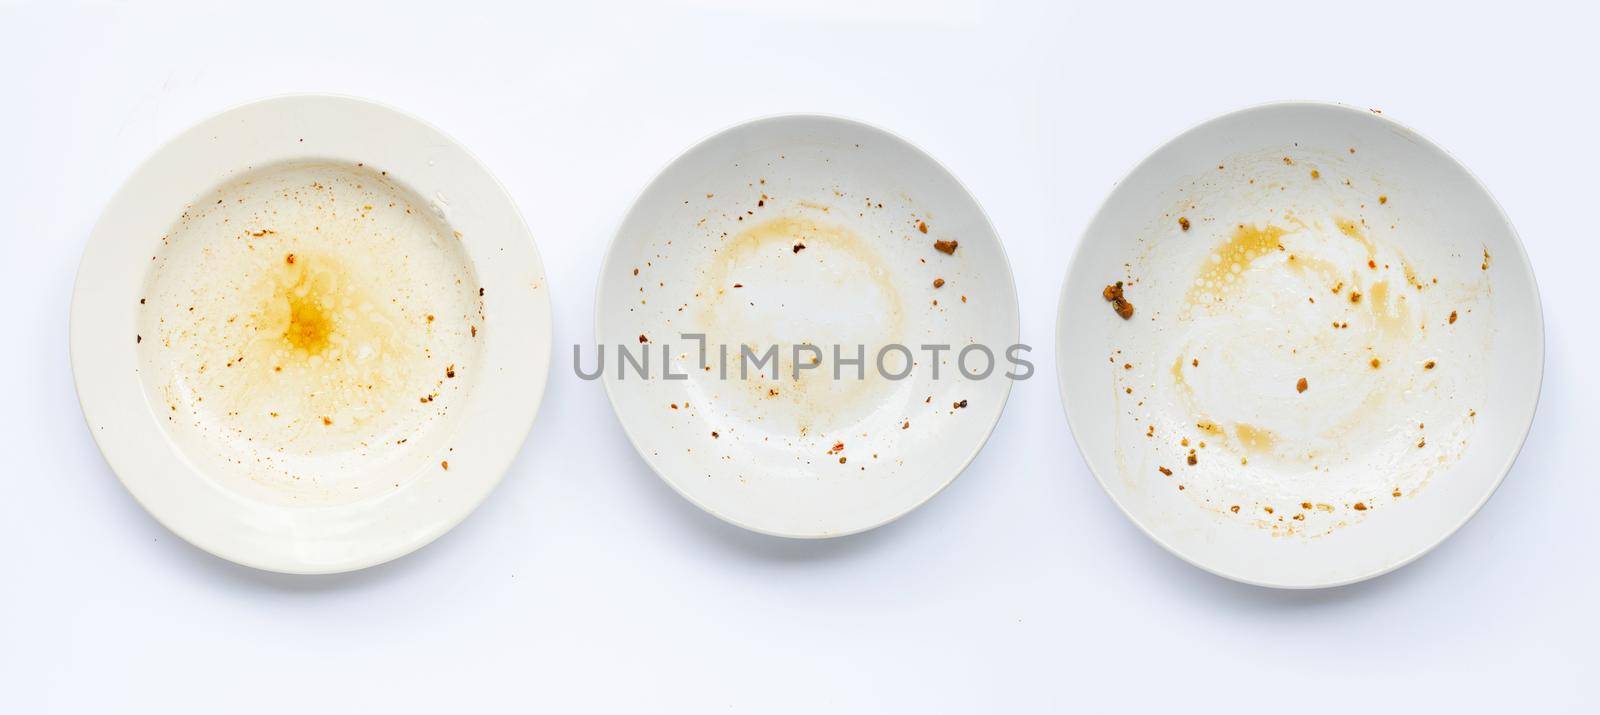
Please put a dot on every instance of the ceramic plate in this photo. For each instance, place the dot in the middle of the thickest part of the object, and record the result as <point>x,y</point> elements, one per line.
<point>807,231</point>
<point>310,334</point>
<point>1333,351</point>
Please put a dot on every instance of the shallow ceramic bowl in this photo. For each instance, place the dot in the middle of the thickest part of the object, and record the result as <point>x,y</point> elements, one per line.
<point>310,333</point>
<point>1302,396</point>
<point>806,230</point>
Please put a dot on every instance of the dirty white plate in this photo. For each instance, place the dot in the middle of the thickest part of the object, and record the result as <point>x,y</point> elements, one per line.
<point>806,230</point>
<point>310,333</point>
<point>1334,354</point>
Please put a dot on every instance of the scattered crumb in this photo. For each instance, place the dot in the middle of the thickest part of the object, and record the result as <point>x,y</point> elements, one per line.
<point>1301,385</point>
<point>922,226</point>
<point>945,247</point>
<point>938,282</point>
<point>1183,223</point>
<point>1119,303</point>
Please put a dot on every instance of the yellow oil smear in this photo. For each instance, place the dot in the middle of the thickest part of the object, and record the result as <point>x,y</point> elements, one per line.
<point>724,317</point>
<point>794,235</point>
<point>1351,229</point>
<point>322,346</point>
<point>1253,439</point>
<point>310,299</point>
<point>1225,264</point>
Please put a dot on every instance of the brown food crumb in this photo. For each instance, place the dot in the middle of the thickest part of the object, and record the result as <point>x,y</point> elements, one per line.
<point>1234,508</point>
<point>326,421</point>
<point>938,282</point>
<point>643,339</point>
<point>1383,199</point>
<point>1376,363</point>
<point>1183,222</point>
<point>289,259</point>
<point>1192,459</point>
<point>714,434</point>
<point>1355,297</point>
<point>1316,174</point>
<point>922,226</point>
<point>444,464</point>
<point>1452,317</point>
<point>1427,365</point>
<point>1119,303</point>
<point>1164,470</point>
<point>450,370</point>
<point>1301,385</point>
<point>959,405</point>
<point>945,247</point>
<point>1361,506</point>
<point>798,247</point>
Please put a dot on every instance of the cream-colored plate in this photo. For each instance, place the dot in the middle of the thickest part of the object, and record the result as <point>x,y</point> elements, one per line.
<point>310,334</point>
<point>796,230</point>
<point>1334,353</point>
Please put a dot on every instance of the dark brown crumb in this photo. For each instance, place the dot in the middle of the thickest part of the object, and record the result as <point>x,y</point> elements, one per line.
<point>922,226</point>
<point>1301,385</point>
<point>938,282</point>
<point>1355,297</point>
<point>1164,470</point>
<point>1183,223</point>
<point>714,434</point>
<point>1361,506</point>
<point>1119,302</point>
<point>798,247</point>
<point>959,405</point>
<point>1234,508</point>
<point>945,247</point>
<point>450,370</point>
<point>289,259</point>
<point>1192,459</point>
<point>1452,317</point>
<point>643,339</point>
<point>1427,365</point>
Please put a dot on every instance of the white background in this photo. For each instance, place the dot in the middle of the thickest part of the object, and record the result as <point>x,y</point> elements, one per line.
<point>584,583</point>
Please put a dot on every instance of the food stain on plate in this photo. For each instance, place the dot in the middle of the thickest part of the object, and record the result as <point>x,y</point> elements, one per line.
<point>1299,360</point>
<point>309,331</point>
